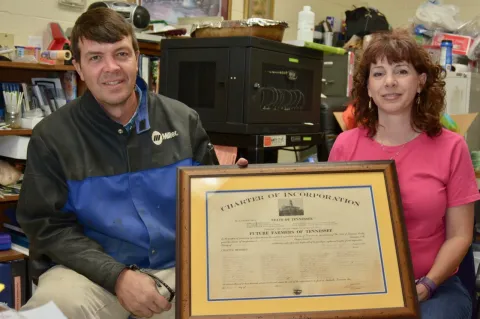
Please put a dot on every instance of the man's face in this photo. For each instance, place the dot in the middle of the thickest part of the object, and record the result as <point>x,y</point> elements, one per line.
<point>109,70</point>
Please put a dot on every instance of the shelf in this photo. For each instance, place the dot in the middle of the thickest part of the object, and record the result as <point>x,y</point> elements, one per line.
<point>17,132</point>
<point>35,66</point>
<point>9,198</point>
<point>149,48</point>
<point>9,255</point>
<point>21,249</point>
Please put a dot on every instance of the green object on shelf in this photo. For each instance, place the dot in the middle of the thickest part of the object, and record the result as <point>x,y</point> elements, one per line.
<point>325,48</point>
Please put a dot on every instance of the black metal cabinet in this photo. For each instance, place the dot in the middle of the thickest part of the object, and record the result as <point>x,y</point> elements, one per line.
<point>201,77</point>
<point>245,85</point>
<point>337,74</point>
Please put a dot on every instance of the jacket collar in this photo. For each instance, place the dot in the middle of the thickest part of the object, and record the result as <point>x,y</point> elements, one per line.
<point>98,114</point>
<point>142,122</point>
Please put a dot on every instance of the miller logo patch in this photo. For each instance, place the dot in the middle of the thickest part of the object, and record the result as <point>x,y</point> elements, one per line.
<point>158,138</point>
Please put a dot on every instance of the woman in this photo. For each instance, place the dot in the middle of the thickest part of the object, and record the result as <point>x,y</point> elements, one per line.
<point>399,96</point>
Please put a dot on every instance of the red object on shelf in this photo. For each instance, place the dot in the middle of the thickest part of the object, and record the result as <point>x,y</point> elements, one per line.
<point>59,38</point>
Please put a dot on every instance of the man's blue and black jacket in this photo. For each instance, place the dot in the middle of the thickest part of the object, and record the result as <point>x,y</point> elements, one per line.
<point>96,198</point>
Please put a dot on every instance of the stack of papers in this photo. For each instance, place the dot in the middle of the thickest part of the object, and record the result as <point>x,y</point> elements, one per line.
<point>49,310</point>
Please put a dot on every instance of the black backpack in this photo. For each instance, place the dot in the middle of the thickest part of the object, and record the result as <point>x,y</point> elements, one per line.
<point>362,21</point>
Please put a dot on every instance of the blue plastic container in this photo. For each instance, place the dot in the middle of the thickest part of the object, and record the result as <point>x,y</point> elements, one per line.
<point>446,58</point>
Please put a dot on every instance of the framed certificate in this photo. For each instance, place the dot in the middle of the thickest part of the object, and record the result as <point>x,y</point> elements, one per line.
<point>323,240</point>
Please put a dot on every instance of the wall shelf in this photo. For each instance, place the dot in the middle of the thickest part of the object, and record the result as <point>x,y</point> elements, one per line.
<point>9,198</point>
<point>149,48</point>
<point>36,66</point>
<point>9,255</point>
<point>24,72</point>
<point>16,132</point>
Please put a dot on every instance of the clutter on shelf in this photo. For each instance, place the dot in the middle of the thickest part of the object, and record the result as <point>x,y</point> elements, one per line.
<point>437,26</point>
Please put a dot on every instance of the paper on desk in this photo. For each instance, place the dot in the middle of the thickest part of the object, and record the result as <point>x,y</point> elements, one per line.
<point>49,310</point>
<point>227,155</point>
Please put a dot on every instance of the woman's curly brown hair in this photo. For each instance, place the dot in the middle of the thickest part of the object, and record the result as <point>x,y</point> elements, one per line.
<point>399,46</point>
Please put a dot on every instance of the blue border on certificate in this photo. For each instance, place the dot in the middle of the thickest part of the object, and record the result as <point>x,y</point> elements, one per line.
<point>294,296</point>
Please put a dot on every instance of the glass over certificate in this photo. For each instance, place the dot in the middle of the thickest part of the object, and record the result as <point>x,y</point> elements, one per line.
<point>293,242</point>
<point>322,240</point>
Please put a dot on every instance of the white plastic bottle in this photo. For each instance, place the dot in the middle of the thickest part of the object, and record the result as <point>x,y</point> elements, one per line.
<point>306,24</point>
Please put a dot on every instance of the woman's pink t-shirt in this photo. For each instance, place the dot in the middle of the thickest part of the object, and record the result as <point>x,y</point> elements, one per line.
<point>434,174</point>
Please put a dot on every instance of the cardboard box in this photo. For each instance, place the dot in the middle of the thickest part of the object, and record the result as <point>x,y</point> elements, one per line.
<point>464,121</point>
<point>461,43</point>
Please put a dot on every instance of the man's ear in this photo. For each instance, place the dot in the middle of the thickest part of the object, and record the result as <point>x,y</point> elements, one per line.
<point>137,55</point>
<point>78,68</point>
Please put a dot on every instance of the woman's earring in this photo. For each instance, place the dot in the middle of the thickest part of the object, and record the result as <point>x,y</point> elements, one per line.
<point>370,104</point>
<point>418,98</point>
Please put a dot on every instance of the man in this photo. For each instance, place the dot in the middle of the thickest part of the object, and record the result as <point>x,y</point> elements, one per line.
<point>99,192</point>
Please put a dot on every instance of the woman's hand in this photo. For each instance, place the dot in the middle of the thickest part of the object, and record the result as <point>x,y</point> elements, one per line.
<point>422,292</point>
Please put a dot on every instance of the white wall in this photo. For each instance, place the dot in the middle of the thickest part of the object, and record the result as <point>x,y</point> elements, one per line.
<point>30,17</point>
<point>287,10</point>
<point>399,14</point>
<point>237,10</point>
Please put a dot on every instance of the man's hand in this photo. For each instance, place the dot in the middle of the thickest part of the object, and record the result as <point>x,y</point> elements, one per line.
<point>242,162</point>
<point>422,292</point>
<point>138,294</point>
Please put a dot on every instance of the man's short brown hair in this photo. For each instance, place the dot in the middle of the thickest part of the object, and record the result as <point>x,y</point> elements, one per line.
<point>101,25</point>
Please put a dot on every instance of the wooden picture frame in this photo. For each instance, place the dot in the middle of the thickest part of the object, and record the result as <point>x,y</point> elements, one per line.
<point>258,9</point>
<point>225,9</point>
<point>338,250</point>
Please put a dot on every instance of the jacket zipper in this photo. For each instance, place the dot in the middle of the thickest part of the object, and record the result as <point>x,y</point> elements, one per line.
<point>125,145</point>
<point>128,160</point>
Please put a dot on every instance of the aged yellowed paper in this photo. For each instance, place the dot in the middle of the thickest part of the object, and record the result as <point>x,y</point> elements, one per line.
<point>344,258</point>
<point>293,242</point>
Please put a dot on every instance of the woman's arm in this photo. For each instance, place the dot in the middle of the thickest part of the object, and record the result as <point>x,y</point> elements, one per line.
<point>462,192</point>
<point>459,230</point>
